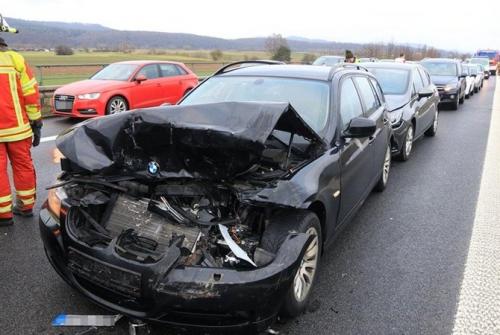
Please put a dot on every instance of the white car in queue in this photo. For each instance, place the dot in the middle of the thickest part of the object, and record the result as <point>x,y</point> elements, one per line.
<point>469,79</point>
<point>478,75</point>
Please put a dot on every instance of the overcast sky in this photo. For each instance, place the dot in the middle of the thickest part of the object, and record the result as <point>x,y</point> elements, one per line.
<point>453,25</point>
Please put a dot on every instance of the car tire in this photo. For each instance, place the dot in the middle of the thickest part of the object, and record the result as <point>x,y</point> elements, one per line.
<point>432,130</point>
<point>454,105</point>
<point>476,89</point>
<point>405,151</point>
<point>300,221</point>
<point>384,176</point>
<point>116,104</point>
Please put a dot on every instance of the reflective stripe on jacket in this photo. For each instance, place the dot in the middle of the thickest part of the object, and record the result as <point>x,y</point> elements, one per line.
<point>19,98</point>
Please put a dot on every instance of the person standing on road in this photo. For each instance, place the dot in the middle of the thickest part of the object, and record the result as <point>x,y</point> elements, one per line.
<point>349,57</point>
<point>401,58</point>
<point>20,121</point>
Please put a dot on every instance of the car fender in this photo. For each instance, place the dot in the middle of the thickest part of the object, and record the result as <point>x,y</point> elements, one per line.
<point>318,181</point>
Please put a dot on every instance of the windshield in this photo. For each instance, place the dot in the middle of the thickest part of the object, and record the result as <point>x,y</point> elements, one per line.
<point>482,61</point>
<point>328,61</point>
<point>115,72</point>
<point>392,81</point>
<point>310,98</point>
<point>441,68</point>
<point>473,69</point>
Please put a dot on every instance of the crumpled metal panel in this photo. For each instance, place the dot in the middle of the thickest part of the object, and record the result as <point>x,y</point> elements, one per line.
<point>114,142</point>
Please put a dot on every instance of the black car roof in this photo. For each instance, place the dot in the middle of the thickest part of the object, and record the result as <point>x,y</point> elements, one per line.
<point>284,71</point>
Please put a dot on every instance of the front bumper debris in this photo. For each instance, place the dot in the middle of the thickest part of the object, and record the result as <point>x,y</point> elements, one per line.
<point>183,297</point>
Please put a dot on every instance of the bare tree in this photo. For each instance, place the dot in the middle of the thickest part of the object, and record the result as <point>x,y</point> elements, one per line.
<point>274,42</point>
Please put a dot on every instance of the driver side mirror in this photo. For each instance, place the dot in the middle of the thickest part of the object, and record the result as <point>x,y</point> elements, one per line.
<point>140,78</point>
<point>360,127</point>
<point>425,93</point>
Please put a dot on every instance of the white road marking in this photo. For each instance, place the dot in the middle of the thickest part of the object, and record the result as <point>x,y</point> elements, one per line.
<point>48,139</point>
<point>478,309</point>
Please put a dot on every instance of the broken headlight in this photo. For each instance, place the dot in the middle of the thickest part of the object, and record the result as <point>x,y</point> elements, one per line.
<point>54,200</point>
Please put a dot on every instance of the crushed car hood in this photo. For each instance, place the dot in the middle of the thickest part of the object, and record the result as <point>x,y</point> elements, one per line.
<point>220,139</point>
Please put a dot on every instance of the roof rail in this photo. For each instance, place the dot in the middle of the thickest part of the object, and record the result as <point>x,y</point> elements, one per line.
<point>228,67</point>
<point>351,66</point>
<point>346,66</point>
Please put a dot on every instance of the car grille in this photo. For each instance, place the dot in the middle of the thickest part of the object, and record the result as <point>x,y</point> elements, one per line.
<point>63,103</point>
<point>113,278</point>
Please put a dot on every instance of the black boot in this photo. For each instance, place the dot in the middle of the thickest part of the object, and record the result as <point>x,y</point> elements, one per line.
<point>22,212</point>
<point>6,222</point>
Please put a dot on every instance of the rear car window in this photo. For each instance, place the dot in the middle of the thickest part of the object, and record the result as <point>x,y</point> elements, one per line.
<point>170,70</point>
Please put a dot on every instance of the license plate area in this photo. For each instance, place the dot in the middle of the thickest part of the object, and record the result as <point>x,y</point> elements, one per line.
<point>110,277</point>
<point>63,106</point>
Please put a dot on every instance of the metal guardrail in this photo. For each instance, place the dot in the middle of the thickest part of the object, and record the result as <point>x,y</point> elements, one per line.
<point>74,72</point>
<point>46,93</point>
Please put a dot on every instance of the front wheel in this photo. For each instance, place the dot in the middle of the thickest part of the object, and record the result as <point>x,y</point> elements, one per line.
<point>116,105</point>
<point>386,167</point>
<point>297,296</point>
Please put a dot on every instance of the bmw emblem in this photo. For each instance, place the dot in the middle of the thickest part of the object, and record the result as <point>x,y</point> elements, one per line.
<point>153,167</point>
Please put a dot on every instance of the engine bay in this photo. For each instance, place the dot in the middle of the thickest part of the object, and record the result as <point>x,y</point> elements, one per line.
<point>205,221</point>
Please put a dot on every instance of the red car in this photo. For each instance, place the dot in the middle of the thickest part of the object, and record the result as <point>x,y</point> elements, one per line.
<point>122,86</point>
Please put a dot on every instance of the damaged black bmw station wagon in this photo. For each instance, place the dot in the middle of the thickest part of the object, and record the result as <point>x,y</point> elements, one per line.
<point>213,213</point>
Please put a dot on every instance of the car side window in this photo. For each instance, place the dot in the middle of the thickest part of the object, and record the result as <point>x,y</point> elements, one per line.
<point>367,94</point>
<point>425,78</point>
<point>170,70</point>
<point>417,81</point>
<point>150,71</point>
<point>378,90</point>
<point>350,104</point>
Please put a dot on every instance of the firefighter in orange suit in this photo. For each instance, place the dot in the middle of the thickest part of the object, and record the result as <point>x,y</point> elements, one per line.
<point>20,128</point>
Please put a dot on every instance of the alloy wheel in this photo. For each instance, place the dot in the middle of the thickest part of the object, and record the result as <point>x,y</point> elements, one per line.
<point>435,123</point>
<point>409,141</point>
<point>304,277</point>
<point>117,106</point>
<point>387,166</point>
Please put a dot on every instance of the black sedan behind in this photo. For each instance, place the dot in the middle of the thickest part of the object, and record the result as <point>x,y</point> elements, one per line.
<point>412,101</point>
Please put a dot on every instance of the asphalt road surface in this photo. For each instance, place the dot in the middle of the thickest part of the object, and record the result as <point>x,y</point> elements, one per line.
<point>397,269</point>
